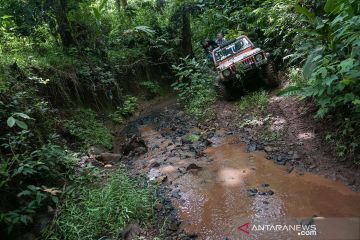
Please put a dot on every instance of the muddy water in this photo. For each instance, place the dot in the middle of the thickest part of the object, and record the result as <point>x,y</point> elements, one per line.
<point>239,187</point>
<point>216,201</point>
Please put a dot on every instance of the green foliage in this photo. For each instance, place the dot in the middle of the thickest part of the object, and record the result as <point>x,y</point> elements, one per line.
<point>105,48</point>
<point>103,209</point>
<point>192,137</point>
<point>30,176</point>
<point>296,76</point>
<point>90,52</point>
<point>195,87</point>
<point>85,125</point>
<point>331,45</point>
<point>34,164</point>
<point>296,83</point>
<point>62,55</point>
<point>14,120</point>
<point>255,102</point>
<point>57,56</point>
<point>128,108</point>
<point>152,86</point>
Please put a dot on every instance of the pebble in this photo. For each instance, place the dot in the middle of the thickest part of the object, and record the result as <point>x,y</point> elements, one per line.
<point>296,156</point>
<point>268,149</point>
<point>161,179</point>
<point>252,192</point>
<point>270,193</point>
<point>154,165</point>
<point>192,166</point>
<point>252,147</point>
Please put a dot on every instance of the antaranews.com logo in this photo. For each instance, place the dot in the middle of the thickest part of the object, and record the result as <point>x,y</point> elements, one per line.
<point>316,228</point>
<point>301,230</point>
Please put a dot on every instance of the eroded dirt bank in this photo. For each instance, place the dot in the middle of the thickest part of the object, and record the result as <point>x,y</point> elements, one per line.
<point>219,177</point>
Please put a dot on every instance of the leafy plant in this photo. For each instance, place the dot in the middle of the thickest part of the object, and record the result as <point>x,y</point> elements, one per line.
<point>195,87</point>
<point>103,209</point>
<point>128,108</point>
<point>85,125</point>
<point>25,172</point>
<point>193,137</point>
<point>13,120</point>
<point>331,46</point>
<point>255,102</point>
<point>152,86</point>
<point>296,76</point>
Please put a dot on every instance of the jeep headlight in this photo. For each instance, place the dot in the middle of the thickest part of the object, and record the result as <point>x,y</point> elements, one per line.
<point>226,72</point>
<point>259,57</point>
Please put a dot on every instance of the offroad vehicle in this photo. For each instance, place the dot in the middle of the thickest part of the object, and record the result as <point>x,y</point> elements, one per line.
<point>235,59</point>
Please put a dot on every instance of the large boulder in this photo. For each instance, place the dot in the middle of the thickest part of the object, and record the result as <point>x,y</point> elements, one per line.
<point>96,150</point>
<point>109,157</point>
<point>135,145</point>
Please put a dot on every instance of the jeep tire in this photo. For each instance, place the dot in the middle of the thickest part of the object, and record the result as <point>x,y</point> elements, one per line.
<point>222,90</point>
<point>270,75</point>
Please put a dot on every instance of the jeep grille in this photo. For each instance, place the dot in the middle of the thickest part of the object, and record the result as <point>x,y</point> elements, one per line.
<point>248,61</point>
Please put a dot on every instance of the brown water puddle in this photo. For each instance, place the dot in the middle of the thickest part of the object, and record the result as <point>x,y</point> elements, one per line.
<point>215,201</point>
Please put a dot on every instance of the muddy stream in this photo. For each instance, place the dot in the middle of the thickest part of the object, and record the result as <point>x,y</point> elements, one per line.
<point>222,191</point>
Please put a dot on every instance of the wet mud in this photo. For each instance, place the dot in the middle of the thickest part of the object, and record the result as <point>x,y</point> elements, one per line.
<point>217,185</point>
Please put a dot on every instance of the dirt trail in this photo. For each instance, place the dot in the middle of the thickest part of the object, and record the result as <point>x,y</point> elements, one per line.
<point>217,181</point>
<point>307,137</point>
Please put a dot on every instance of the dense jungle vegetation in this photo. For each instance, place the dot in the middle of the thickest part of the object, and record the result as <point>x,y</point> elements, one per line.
<point>71,69</point>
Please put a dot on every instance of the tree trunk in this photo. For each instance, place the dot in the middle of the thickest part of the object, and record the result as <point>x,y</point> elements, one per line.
<point>186,44</point>
<point>64,28</point>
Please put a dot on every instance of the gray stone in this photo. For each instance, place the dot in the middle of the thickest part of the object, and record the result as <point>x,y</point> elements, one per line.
<point>296,156</point>
<point>252,147</point>
<point>96,150</point>
<point>268,149</point>
<point>109,157</point>
<point>270,193</point>
<point>192,166</point>
<point>154,165</point>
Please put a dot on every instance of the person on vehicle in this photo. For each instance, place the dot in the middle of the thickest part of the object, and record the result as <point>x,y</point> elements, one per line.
<point>220,39</point>
<point>209,46</point>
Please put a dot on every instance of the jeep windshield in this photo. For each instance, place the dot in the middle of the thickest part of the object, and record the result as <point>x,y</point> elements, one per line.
<point>231,49</point>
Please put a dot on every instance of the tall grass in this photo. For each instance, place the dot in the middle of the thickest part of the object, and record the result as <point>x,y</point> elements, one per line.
<point>103,210</point>
<point>255,102</point>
